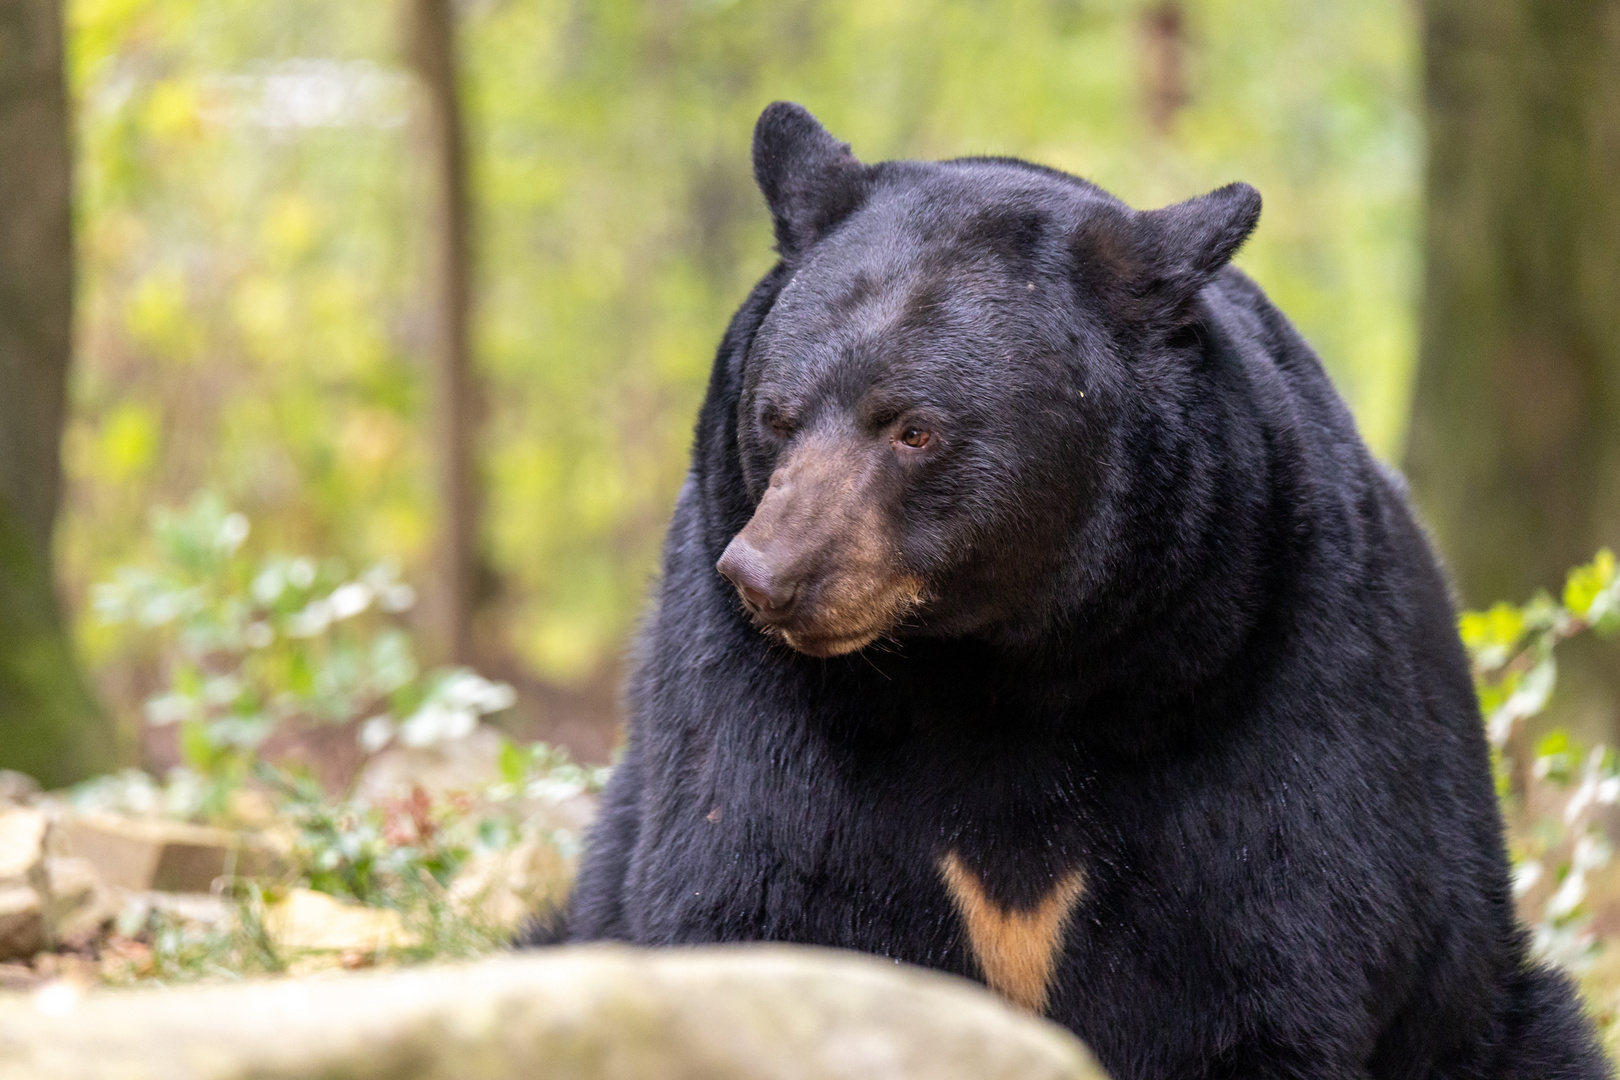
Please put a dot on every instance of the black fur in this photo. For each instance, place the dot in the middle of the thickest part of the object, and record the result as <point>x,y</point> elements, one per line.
<point>1183,636</point>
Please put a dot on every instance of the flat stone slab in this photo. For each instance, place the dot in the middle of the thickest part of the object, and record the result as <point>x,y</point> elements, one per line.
<point>141,855</point>
<point>582,1013</point>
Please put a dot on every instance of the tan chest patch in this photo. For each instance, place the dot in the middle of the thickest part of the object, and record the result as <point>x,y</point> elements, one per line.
<point>1016,950</point>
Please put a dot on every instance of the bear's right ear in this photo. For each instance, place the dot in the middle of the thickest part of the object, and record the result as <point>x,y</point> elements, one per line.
<point>1151,264</point>
<point>810,180</point>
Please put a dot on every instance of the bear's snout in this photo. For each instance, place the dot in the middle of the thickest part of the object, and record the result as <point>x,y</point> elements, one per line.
<point>817,564</point>
<point>766,592</point>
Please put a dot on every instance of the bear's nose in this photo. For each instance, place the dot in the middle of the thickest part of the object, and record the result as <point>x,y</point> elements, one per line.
<point>765,592</point>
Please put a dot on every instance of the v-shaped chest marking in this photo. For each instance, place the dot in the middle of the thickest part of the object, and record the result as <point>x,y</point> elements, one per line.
<point>1016,950</point>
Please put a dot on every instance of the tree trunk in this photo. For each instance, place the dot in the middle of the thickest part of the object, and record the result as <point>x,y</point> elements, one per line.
<point>1514,450</point>
<point>49,724</point>
<point>1163,31</point>
<point>453,595</point>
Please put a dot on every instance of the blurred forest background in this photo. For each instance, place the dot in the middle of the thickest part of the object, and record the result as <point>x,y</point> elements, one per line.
<point>440,284</point>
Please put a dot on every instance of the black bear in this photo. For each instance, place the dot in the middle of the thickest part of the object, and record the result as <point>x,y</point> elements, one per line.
<point>1033,611</point>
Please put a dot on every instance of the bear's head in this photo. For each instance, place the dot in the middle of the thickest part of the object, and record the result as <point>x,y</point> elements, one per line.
<point>929,406</point>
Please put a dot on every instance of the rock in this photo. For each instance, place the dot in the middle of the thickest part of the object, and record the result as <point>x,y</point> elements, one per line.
<point>24,887</point>
<point>501,888</point>
<point>22,845</point>
<point>574,815</point>
<point>23,929</point>
<point>79,969</point>
<point>309,921</point>
<point>465,764</point>
<point>587,1013</point>
<point>17,977</point>
<point>17,788</point>
<point>79,903</point>
<point>202,910</point>
<point>141,854</point>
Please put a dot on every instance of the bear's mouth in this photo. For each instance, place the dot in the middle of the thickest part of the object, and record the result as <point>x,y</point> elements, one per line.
<point>837,623</point>
<point>826,647</point>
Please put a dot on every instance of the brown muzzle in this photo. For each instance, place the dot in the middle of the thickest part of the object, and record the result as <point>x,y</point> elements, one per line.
<point>818,563</point>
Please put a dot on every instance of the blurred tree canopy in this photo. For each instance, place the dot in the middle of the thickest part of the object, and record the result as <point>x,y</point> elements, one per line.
<point>253,319</point>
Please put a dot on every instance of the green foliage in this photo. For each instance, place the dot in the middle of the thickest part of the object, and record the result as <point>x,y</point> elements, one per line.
<point>251,312</point>
<point>403,853</point>
<point>1557,786</point>
<point>365,853</point>
<point>1512,647</point>
<point>542,771</point>
<point>171,949</point>
<point>1592,593</point>
<point>253,646</point>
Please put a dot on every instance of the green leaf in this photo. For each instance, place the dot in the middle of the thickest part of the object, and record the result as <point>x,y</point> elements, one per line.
<point>1556,756</point>
<point>514,763</point>
<point>198,747</point>
<point>1589,584</point>
<point>1490,636</point>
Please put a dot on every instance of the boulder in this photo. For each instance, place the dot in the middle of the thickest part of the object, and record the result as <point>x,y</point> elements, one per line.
<point>586,1013</point>
<point>142,854</point>
<point>24,884</point>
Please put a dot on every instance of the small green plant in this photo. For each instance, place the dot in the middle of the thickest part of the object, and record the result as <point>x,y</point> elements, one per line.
<point>253,646</point>
<point>157,945</point>
<point>1552,788</point>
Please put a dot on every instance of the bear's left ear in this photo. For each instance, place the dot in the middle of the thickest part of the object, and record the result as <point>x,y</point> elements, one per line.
<point>1151,264</point>
<point>809,179</point>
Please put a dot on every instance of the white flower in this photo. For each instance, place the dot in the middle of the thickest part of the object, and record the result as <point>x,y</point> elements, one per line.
<point>548,789</point>
<point>1591,853</point>
<point>1525,876</point>
<point>1563,903</point>
<point>1587,793</point>
<point>349,600</point>
<point>221,690</point>
<point>269,584</point>
<point>232,531</point>
<point>436,723</point>
<point>1566,946</point>
<point>377,733</point>
<point>397,598</point>
<point>1527,699</point>
<point>301,572</point>
<point>468,690</point>
<point>163,608</point>
<point>169,708</point>
<point>312,621</point>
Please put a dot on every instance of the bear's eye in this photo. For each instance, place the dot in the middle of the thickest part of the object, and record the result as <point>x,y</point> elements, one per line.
<point>916,437</point>
<point>779,425</point>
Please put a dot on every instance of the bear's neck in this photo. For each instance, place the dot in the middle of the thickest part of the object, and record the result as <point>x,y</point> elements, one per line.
<point>1200,571</point>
